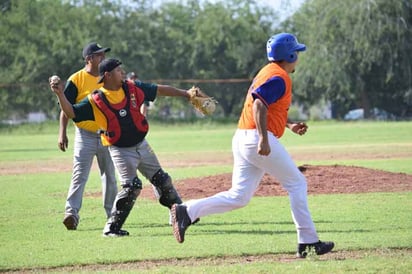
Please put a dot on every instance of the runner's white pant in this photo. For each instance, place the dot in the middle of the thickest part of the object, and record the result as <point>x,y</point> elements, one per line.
<point>87,145</point>
<point>248,170</point>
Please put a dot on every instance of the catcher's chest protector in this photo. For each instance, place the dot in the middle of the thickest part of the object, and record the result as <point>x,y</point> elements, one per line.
<point>126,126</point>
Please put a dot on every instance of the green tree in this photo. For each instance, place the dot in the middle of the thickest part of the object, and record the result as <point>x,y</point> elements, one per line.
<point>230,43</point>
<point>358,54</point>
<point>205,41</point>
<point>40,38</point>
<point>195,40</point>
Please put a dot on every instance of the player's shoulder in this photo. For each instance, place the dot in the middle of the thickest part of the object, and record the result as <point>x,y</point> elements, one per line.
<point>75,76</point>
<point>146,86</point>
<point>82,77</point>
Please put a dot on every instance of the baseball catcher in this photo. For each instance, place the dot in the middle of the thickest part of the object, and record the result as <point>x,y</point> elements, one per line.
<point>202,102</point>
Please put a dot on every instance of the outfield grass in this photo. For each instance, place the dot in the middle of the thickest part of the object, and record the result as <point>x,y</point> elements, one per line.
<point>376,228</point>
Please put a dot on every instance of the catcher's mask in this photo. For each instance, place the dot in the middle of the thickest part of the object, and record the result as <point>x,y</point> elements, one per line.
<point>283,47</point>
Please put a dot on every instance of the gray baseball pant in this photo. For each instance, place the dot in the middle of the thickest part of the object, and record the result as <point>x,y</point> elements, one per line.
<point>86,146</point>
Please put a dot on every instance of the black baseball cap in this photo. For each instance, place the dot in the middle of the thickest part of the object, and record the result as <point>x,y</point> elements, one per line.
<point>107,65</point>
<point>93,48</point>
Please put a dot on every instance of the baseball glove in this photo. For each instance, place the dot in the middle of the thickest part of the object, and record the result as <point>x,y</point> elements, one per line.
<point>202,102</point>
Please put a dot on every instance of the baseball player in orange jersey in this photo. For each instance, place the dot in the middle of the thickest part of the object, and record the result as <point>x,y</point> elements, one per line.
<point>257,150</point>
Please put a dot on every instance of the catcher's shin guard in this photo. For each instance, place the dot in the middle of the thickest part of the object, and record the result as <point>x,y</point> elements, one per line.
<point>123,204</point>
<point>166,193</point>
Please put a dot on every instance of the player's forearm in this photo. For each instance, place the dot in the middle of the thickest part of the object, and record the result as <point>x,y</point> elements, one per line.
<point>63,121</point>
<point>164,90</point>
<point>290,124</point>
<point>65,106</point>
<point>260,113</point>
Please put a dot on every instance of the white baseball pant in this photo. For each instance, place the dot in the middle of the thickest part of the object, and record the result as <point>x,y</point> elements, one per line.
<point>248,170</point>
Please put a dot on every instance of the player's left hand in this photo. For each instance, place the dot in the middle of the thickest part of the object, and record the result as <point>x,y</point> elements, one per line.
<point>298,128</point>
<point>263,147</point>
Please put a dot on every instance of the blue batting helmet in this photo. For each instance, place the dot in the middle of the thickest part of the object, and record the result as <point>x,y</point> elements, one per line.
<point>283,46</point>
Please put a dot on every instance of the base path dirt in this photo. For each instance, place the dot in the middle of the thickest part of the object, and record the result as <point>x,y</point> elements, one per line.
<point>321,180</point>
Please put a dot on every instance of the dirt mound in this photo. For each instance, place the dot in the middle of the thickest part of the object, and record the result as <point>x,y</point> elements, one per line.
<point>321,180</point>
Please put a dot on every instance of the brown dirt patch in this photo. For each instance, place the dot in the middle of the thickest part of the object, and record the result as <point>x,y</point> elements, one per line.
<point>321,180</point>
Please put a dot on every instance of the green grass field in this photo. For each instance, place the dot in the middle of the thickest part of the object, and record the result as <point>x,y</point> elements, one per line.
<point>373,231</point>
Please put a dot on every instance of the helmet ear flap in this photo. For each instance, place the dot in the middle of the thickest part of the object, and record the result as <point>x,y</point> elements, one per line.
<point>291,57</point>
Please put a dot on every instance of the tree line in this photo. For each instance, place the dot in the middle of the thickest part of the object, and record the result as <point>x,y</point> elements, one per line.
<point>357,50</point>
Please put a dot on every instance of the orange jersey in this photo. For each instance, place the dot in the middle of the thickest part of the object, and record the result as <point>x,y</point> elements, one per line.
<point>277,114</point>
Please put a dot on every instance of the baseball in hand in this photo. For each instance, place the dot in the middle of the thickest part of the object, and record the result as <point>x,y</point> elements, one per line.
<point>54,80</point>
<point>209,107</point>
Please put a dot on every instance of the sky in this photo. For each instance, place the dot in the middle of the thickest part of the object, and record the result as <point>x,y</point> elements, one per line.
<point>283,8</point>
<point>291,5</point>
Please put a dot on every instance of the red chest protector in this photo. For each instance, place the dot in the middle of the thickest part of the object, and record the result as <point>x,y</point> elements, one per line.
<point>126,125</point>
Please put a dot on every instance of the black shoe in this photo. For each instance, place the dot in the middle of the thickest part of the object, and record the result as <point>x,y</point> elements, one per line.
<point>117,233</point>
<point>71,222</point>
<point>171,220</point>
<point>319,248</point>
<point>180,221</point>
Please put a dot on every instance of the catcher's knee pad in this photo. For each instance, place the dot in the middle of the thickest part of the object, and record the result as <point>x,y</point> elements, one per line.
<point>166,192</point>
<point>127,196</point>
<point>123,204</point>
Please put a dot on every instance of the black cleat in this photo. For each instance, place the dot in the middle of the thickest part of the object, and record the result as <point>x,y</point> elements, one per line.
<point>319,248</point>
<point>180,222</point>
<point>71,222</point>
<point>117,233</point>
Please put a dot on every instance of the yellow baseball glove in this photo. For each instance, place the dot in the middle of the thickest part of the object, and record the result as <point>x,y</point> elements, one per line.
<point>202,102</point>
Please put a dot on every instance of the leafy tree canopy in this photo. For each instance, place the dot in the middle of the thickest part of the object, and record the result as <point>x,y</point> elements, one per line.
<point>358,54</point>
<point>358,51</point>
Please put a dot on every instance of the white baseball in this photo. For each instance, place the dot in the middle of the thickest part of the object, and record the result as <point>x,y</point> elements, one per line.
<point>209,107</point>
<point>54,79</point>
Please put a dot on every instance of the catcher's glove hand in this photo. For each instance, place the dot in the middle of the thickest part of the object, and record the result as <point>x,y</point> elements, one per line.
<point>202,102</point>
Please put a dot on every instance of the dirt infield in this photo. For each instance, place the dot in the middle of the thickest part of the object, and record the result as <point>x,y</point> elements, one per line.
<point>321,180</point>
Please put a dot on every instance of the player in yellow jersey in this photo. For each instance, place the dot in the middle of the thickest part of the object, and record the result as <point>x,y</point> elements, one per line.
<point>115,107</point>
<point>257,150</point>
<point>87,142</point>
